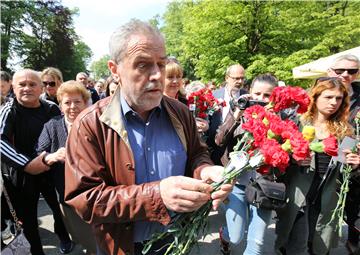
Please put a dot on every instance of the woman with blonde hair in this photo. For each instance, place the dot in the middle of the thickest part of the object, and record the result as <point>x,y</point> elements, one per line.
<point>73,98</point>
<point>174,89</point>
<point>305,223</point>
<point>174,81</point>
<point>51,78</point>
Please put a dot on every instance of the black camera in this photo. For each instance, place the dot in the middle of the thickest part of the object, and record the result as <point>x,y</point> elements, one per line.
<point>244,103</point>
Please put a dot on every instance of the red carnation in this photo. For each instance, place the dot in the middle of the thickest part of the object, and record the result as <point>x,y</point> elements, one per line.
<point>274,155</point>
<point>328,145</point>
<point>331,145</point>
<point>255,112</point>
<point>286,97</point>
<point>300,146</point>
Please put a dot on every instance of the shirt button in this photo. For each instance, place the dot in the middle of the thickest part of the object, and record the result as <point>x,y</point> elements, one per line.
<point>152,172</point>
<point>148,149</point>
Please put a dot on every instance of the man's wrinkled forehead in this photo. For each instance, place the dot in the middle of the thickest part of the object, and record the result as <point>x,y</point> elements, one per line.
<point>23,76</point>
<point>145,43</point>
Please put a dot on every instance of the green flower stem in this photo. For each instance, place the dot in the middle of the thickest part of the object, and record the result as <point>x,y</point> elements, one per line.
<point>338,213</point>
<point>186,227</point>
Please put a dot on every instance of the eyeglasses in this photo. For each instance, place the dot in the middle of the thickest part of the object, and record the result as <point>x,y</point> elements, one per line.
<point>50,83</point>
<point>237,78</point>
<point>340,71</point>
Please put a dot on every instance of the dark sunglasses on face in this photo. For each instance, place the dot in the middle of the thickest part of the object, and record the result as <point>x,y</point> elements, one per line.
<point>339,71</point>
<point>50,83</point>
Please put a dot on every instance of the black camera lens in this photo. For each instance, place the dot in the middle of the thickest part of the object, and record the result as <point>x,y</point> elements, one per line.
<point>242,103</point>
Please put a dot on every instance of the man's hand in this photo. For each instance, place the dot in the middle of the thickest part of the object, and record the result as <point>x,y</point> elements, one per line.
<point>184,194</point>
<point>36,166</point>
<point>58,156</point>
<point>215,174</point>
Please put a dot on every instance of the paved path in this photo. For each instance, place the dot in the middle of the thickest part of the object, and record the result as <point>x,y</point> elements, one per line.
<point>208,246</point>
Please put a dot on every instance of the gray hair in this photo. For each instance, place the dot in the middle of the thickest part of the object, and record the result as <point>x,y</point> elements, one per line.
<point>229,69</point>
<point>348,57</point>
<point>82,74</point>
<point>194,86</point>
<point>120,38</point>
<point>30,72</point>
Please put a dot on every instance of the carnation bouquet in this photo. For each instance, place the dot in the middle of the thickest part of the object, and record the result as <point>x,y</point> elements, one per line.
<point>268,143</point>
<point>203,103</point>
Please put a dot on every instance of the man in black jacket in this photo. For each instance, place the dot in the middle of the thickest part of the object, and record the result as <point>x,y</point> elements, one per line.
<point>21,122</point>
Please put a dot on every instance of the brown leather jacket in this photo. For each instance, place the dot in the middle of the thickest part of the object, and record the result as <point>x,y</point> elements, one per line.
<point>100,172</point>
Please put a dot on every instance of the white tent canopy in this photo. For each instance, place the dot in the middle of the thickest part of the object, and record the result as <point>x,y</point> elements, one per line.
<point>319,67</point>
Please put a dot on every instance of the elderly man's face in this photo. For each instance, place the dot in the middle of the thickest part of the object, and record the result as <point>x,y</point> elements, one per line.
<point>235,79</point>
<point>27,88</point>
<point>82,78</point>
<point>346,70</point>
<point>141,73</point>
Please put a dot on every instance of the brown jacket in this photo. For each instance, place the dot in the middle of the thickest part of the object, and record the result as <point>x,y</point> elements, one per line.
<point>100,172</point>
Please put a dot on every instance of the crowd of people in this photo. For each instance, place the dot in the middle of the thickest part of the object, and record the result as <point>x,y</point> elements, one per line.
<point>118,158</point>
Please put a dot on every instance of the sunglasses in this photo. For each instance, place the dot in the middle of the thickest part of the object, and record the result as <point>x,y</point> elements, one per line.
<point>339,71</point>
<point>50,83</point>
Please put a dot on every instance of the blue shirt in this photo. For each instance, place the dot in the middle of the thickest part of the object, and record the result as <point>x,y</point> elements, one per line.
<point>158,154</point>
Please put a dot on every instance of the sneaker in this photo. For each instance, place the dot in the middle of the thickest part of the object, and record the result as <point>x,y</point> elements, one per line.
<point>6,234</point>
<point>224,245</point>
<point>66,247</point>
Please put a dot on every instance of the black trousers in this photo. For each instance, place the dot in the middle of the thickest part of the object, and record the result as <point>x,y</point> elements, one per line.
<point>30,193</point>
<point>352,210</point>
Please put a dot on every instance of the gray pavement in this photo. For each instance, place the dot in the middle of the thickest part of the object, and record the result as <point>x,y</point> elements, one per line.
<point>207,246</point>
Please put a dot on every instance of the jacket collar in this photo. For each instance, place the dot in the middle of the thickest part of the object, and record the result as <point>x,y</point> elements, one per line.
<point>112,118</point>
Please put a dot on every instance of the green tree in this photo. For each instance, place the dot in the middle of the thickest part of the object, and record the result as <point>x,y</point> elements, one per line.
<point>40,34</point>
<point>11,27</point>
<point>79,61</point>
<point>264,36</point>
<point>99,68</point>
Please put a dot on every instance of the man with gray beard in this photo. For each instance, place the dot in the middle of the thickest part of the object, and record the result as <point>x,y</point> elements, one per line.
<point>135,159</point>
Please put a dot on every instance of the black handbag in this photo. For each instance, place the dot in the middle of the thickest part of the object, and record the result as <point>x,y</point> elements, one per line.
<point>266,194</point>
<point>19,245</point>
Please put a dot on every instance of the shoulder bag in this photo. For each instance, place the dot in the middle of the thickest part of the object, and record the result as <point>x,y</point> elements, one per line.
<point>19,245</point>
<point>266,194</point>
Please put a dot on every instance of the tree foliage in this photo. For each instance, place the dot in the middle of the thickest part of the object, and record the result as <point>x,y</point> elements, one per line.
<point>41,34</point>
<point>263,36</point>
<point>99,68</point>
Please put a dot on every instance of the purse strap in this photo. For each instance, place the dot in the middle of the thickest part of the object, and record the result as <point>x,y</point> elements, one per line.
<point>12,210</point>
